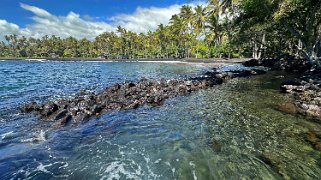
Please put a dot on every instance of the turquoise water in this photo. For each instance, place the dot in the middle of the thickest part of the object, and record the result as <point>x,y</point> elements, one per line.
<point>221,132</point>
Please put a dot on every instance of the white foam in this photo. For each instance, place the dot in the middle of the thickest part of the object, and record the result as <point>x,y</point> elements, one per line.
<point>39,60</point>
<point>39,137</point>
<point>7,135</point>
<point>117,168</point>
<point>44,168</point>
<point>157,161</point>
<point>193,171</point>
<point>178,62</point>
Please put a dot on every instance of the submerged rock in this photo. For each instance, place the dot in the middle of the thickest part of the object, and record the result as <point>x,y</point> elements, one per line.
<point>314,140</point>
<point>63,121</point>
<point>48,109</point>
<point>275,162</point>
<point>33,106</point>
<point>128,95</point>
<point>307,96</point>
<point>289,108</point>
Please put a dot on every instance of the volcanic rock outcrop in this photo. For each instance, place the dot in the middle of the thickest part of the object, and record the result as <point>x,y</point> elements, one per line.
<point>128,95</point>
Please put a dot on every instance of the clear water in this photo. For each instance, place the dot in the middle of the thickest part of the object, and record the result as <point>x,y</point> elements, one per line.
<point>216,133</point>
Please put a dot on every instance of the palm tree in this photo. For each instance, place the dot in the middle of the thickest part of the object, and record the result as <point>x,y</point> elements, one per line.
<point>228,5</point>
<point>199,24</point>
<point>213,7</point>
<point>225,4</point>
<point>163,33</point>
<point>187,15</point>
<point>178,30</point>
<point>124,40</point>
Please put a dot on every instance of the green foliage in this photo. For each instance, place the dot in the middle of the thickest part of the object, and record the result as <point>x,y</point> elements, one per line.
<point>67,53</point>
<point>222,28</point>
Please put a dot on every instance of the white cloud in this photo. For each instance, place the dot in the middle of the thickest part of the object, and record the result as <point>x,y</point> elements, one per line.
<point>145,19</point>
<point>37,11</point>
<point>45,23</point>
<point>8,28</point>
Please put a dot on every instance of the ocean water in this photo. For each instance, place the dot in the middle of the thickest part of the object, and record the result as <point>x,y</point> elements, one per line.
<point>219,133</point>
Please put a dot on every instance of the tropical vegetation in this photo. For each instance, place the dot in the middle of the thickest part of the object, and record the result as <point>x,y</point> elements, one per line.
<point>221,28</point>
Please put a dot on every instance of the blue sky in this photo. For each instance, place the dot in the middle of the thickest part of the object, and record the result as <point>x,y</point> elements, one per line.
<point>11,10</point>
<point>83,18</point>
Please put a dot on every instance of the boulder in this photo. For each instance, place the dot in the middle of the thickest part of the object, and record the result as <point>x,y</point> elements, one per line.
<point>128,95</point>
<point>289,108</point>
<point>251,63</point>
<point>63,121</point>
<point>60,114</point>
<point>33,106</point>
<point>48,109</point>
<point>293,82</point>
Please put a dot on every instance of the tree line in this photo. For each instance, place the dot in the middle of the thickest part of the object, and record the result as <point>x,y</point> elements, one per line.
<point>221,28</point>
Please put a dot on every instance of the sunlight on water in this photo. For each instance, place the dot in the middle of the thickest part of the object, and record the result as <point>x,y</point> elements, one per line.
<point>222,132</point>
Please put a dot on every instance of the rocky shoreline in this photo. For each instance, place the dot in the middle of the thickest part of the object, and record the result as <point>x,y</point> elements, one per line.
<point>306,92</point>
<point>128,95</point>
<point>305,89</point>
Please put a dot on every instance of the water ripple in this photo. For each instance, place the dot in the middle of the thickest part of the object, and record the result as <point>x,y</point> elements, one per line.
<point>219,133</point>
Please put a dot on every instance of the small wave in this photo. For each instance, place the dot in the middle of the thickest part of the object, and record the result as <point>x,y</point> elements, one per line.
<point>7,135</point>
<point>43,168</point>
<point>193,166</point>
<point>2,119</point>
<point>39,60</point>
<point>38,137</point>
<point>157,161</point>
<point>172,168</point>
<point>117,168</point>
<point>98,61</point>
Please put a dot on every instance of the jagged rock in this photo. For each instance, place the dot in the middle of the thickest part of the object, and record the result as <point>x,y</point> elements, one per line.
<point>251,63</point>
<point>80,117</point>
<point>63,121</point>
<point>97,108</point>
<point>289,64</point>
<point>49,109</point>
<point>313,110</point>
<point>286,88</point>
<point>133,105</point>
<point>292,82</point>
<point>33,106</point>
<point>62,104</point>
<point>62,113</point>
<point>188,83</point>
<point>128,95</point>
<point>291,86</point>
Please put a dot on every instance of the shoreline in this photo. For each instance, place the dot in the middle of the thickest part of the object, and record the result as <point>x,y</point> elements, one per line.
<point>169,60</point>
<point>128,95</point>
<point>302,104</point>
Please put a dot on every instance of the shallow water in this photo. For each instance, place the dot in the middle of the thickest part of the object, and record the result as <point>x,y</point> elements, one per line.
<point>221,132</point>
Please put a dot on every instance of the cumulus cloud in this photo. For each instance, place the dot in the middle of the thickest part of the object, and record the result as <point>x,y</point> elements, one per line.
<point>45,23</point>
<point>8,28</point>
<point>145,19</point>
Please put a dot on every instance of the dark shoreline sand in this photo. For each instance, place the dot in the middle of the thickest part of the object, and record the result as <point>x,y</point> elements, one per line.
<point>170,60</point>
<point>184,60</point>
